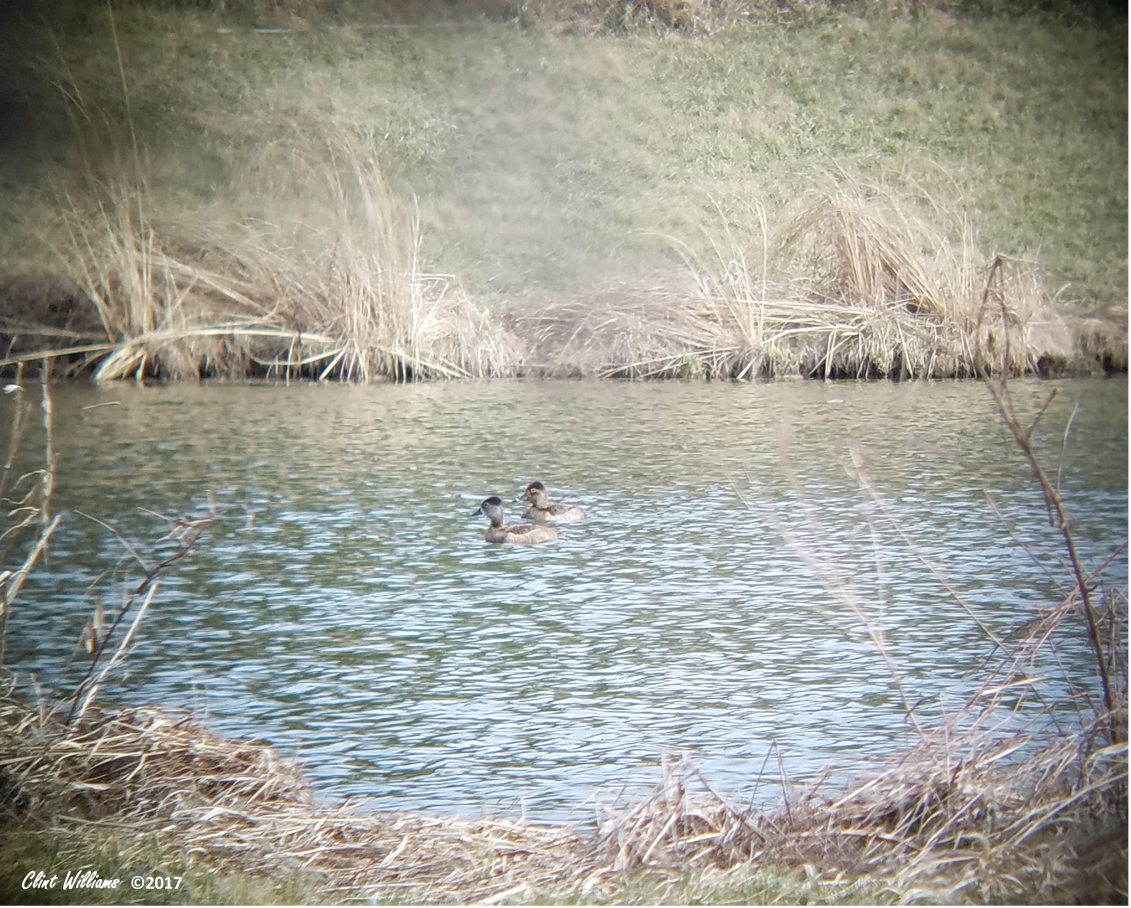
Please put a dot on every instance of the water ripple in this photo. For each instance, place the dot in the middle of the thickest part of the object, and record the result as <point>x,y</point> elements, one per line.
<point>723,598</point>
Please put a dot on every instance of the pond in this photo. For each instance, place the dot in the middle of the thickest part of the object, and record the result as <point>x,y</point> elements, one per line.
<point>745,544</point>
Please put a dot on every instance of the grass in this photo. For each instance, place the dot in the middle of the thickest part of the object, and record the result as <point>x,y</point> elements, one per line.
<point>406,192</point>
<point>132,789</point>
<point>31,847</point>
<point>884,295</point>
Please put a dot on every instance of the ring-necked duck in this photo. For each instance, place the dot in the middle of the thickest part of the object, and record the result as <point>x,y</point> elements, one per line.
<point>542,509</point>
<point>520,534</point>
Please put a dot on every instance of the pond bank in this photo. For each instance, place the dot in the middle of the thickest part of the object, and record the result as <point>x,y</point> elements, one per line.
<point>713,332</point>
<point>801,190</point>
<point>966,825</point>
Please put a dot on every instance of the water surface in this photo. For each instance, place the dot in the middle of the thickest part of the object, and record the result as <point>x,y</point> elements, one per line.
<point>742,539</point>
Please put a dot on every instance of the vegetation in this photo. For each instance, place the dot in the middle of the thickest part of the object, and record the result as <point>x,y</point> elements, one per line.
<point>716,190</point>
<point>962,817</point>
<point>703,190</point>
<point>722,189</point>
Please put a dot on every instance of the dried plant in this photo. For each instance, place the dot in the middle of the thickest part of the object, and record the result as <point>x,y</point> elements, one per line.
<point>25,500</point>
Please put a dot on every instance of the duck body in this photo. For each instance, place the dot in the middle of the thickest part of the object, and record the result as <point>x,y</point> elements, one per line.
<point>516,534</point>
<point>541,508</point>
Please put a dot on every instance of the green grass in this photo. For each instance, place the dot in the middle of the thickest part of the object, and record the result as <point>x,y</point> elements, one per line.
<point>57,852</point>
<point>471,198</point>
<point>548,165</point>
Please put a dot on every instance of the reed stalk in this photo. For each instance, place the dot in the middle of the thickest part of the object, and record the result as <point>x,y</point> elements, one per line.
<point>995,378</point>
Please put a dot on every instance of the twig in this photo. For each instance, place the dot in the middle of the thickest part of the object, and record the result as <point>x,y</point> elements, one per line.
<point>188,532</point>
<point>999,391</point>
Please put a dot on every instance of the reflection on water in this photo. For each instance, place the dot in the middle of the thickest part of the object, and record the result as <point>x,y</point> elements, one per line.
<point>348,610</point>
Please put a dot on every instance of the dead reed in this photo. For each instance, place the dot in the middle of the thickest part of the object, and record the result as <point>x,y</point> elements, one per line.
<point>997,822</point>
<point>628,332</point>
<point>238,805</point>
<point>353,272</point>
<point>986,807</point>
<point>338,293</point>
<point>845,288</point>
<point>25,502</point>
<point>874,291</point>
<point>970,815</point>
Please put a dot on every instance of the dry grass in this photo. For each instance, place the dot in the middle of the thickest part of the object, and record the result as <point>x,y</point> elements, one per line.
<point>336,293</point>
<point>354,273</point>
<point>306,260</point>
<point>629,332</point>
<point>162,306</point>
<point>331,289</point>
<point>1102,337</point>
<point>989,806</point>
<point>588,17</point>
<point>237,805</point>
<point>982,827</point>
<point>917,292</point>
<point>845,288</point>
<point>25,502</point>
<point>948,821</point>
<point>851,285</point>
<point>702,17</point>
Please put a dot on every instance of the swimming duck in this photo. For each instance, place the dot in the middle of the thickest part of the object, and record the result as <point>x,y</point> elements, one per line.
<point>520,534</point>
<point>542,509</point>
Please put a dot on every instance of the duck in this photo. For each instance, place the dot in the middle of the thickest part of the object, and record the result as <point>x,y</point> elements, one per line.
<point>518,534</point>
<point>543,509</point>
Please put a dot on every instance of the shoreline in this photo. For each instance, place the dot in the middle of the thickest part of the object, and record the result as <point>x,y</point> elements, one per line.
<point>825,191</point>
<point>229,806</point>
<point>589,340</point>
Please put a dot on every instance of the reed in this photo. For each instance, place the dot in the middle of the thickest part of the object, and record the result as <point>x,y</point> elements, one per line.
<point>238,805</point>
<point>25,502</point>
<point>354,273</point>
<point>163,312</point>
<point>336,294</point>
<point>878,292</point>
<point>843,288</point>
<point>224,204</point>
<point>328,286</point>
<point>953,819</point>
<point>987,806</point>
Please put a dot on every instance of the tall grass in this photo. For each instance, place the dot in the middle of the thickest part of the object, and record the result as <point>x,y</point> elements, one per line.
<point>398,204</point>
<point>844,288</point>
<point>356,274</point>
<point>25,502</point>
<point>337,293</point>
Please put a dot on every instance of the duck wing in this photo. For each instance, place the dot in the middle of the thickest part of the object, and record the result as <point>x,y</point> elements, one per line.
<point>531,534</point>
